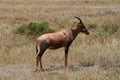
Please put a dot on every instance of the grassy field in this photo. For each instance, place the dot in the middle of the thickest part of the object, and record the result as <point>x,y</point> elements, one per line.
<point>93,57</point>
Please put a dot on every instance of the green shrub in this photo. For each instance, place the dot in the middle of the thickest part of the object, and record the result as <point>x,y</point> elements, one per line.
<point>35,28</point>
<point>32,26</point>
<point>22,28</point>
<point>41,28</point>
<point>49,30</point>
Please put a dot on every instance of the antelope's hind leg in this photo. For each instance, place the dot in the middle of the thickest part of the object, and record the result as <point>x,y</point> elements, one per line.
<point>36,58</point>
<point>37,63</point>
<point>44,45</point>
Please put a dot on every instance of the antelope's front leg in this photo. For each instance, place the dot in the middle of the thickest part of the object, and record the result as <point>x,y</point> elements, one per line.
<point>66,55</point>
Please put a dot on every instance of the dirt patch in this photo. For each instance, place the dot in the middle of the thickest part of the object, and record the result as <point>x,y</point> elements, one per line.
<point>13,69</point>
<point>7,69</point>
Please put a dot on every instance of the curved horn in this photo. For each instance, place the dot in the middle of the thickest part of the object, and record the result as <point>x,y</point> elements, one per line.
<point>78,18</point>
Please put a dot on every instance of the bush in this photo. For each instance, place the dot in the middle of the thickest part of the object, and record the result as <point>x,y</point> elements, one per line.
<point>32,26</point>
<point>35,28</point>
<point>22,28</point>
<point>42,28</point>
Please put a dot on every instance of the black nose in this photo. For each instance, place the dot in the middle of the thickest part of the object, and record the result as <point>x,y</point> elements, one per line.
<point>87,33</point>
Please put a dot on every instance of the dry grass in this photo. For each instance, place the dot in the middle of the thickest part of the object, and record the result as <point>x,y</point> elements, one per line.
<point>93,57</point>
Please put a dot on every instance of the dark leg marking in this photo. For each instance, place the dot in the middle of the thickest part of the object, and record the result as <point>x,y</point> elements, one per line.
<point>66,55</point>
<point>43,46</point>
<point>66,51</point>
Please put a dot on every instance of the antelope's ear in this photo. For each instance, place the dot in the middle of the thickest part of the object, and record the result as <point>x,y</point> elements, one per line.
<point>78,19</point>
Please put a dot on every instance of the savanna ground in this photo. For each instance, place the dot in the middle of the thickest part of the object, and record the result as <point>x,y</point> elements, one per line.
<point>93,57</point>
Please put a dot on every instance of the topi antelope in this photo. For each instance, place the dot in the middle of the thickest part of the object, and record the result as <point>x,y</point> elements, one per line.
<point>59,39</point>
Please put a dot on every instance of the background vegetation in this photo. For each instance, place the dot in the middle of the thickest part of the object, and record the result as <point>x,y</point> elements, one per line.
<point>93,57</point>
<point>35,28</point>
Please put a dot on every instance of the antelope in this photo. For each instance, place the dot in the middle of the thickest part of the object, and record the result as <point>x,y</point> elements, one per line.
<point>56,40</point>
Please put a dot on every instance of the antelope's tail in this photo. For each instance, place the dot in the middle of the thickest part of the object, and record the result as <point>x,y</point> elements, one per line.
<point>36,49</point>
<point>37,46</point>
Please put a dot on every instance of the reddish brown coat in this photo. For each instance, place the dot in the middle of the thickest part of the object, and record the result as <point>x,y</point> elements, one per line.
<point>59,39</point>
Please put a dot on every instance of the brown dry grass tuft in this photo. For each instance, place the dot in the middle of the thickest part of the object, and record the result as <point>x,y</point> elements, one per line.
<point>93,57</point>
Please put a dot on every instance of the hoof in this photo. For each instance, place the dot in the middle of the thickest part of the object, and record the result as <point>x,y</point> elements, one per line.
<point>42,70</point>
<point>39,70</point>
<point>36,70</point>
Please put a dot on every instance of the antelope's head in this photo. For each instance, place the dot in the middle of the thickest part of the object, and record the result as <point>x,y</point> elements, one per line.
<point>81,26</point>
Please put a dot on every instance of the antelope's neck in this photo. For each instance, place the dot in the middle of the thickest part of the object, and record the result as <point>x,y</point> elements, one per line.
<point>75,32</point>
